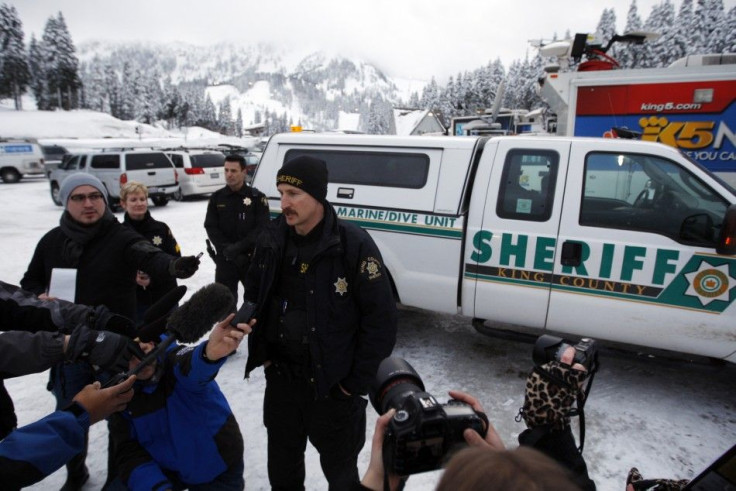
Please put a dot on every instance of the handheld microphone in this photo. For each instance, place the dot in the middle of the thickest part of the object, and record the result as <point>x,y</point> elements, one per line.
<point>154,319</point>
<point>188,323</point>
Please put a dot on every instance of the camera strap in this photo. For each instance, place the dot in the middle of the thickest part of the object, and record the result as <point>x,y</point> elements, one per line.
<point>582,397</point>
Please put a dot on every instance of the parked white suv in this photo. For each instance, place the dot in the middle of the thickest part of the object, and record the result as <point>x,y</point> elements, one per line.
<point>115,168</point>
<point>200,171</point>
<point>19,157</point>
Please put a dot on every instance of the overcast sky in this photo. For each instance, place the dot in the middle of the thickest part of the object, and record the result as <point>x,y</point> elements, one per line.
<point>405,38</point>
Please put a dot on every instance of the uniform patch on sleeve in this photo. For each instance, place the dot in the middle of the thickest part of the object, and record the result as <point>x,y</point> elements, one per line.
<point>371,268</point>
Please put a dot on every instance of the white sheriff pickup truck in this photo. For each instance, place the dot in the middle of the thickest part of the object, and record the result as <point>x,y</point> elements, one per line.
<point>620,240</point>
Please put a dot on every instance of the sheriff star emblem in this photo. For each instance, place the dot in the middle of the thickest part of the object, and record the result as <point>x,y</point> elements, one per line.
<point>710,283</point>
<point>246,201</point>
<point>341,286</point>
<point>371,267</point>
<point>157,241</point>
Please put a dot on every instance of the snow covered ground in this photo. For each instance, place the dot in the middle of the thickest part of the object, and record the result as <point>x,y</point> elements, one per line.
<point>668,417</point>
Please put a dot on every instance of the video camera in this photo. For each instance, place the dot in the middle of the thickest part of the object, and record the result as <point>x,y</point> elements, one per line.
<point>422,431</point>
<point>550,348</point>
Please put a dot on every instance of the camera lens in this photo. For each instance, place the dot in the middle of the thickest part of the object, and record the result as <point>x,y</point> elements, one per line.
<point>395,379</point>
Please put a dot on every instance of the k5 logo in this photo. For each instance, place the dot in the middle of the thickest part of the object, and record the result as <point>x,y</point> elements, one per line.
<point>683,134</point>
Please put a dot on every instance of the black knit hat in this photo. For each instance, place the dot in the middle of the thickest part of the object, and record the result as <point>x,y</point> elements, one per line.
<point>306,173</point>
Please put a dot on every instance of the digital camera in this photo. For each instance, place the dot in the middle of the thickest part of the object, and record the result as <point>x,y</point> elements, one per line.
<point>422,431</point>
<point>548,348</point>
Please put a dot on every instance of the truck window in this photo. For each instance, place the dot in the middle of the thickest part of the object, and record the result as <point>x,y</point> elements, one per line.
<point>388,169</point>
<point>105,162</point>
<point>528,185</point>
<point>208,160</point>
<point>143,161</point>
<point>650,194</point>
<point>178,160</point>
<point>74,163</point>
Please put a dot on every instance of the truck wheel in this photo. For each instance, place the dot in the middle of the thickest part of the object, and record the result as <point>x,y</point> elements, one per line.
<point>10,175</point>
<point>55,194</point>
<point>160,200</point>
<point>178,196</point>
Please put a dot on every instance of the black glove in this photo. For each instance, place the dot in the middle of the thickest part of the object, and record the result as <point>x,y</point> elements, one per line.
<point>231,251</point>
<point>103,320</point>
<point>105,349</point>
<point>184,267</point>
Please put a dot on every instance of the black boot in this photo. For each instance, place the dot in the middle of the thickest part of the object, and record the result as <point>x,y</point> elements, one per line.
<point>76,472</point>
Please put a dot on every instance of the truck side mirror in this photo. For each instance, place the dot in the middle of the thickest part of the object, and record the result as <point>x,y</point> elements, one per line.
<point>727,238</point>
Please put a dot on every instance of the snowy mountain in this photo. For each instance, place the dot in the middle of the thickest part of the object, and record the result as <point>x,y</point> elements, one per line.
<point>262,81</point>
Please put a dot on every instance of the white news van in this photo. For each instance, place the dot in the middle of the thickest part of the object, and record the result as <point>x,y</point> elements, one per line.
<point>19,158</point>
<point>620,240</point>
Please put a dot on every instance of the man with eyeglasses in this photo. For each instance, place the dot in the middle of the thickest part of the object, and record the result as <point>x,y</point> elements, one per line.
<point>102,257</point>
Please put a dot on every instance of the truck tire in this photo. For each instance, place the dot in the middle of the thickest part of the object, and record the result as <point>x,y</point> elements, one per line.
<point>55,194</point>
<point>160,200</point>
<point>10,175</point>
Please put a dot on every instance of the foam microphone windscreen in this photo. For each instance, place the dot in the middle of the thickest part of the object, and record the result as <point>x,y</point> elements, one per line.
<point>196,316</point>
<point>164,305</point>
<point>154,319</point>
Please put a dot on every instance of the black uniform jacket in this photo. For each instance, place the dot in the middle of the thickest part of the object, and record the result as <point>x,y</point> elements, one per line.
<point>350,306</point>
<point>236,217</point>
<point>159,234</point>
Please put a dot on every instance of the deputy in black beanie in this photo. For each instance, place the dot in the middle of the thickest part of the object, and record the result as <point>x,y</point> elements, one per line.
<point>326,318</point>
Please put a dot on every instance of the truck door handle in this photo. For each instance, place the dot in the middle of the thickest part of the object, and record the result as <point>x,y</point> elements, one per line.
<point>346,193</point>
<point>151,172</point>
<point>572,253</point>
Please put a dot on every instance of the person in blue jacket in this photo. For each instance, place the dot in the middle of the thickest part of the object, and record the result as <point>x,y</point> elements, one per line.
<point>30,453</point>
<point>178,431</point>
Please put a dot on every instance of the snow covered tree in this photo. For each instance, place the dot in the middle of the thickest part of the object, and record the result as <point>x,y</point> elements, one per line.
<point>62,65</point>
<point>14,71</point>
<point>630,55</point>
<point>380,118</point>
<point>717,26</point>
<point>699,30</point>
<point>37,68</point>
<point>606,26</point>
<point>225,118</point>
<point>730,44</point>
<point>95,92</point>
<point>239,124</point>
<point>112,91</point>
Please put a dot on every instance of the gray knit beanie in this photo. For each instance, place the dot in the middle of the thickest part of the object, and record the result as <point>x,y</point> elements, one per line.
<point>79,179</point>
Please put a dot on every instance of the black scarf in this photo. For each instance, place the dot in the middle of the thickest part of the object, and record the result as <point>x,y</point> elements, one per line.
<point>78,235</point>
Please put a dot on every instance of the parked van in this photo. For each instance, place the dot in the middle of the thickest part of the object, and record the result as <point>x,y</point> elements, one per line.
<point>115,168</point>
<point>200,171</point>
<point>618,240</point>
<point>20,157</point>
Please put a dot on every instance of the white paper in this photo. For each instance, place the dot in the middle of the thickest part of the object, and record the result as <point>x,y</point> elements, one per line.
<point>63,284</point>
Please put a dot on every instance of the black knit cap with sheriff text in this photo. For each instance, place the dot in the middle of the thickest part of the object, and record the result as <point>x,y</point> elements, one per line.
<point>307,173</point>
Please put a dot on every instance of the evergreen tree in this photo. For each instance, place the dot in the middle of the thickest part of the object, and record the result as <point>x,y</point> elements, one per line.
<point>37,67</point>
<point>606,26</point>
<point>730,43</point>
<point>112,91</point>
<point>95,92</point>
<point>14,72</point>
<point>665,49</point>
<point>631,55</point>
<point>225,118</point>
<point>239,124</point>
<point>699,31</point>
<point>717,26</point>
<point>683,28</point>
<point>62,65</point>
